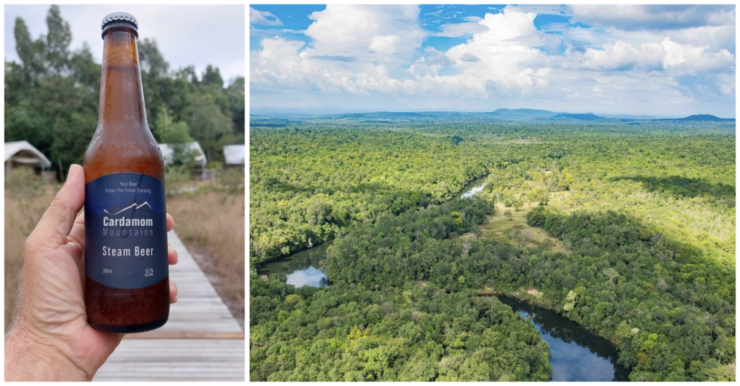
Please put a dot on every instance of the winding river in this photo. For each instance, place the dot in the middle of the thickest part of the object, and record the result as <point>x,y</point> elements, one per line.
<point>575,353</point>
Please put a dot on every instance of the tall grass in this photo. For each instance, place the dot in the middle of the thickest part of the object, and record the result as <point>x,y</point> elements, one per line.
<point>26,200</point>
<point>211,224</point>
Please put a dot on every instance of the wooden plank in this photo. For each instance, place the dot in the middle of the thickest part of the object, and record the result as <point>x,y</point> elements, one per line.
<point>156,334</point>
<point>175,360</point>
<point>200,342</point>
<point>198,308</point>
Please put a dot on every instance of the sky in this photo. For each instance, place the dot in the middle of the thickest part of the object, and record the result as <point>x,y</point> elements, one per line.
<point>657,60</point>
<point>186,35</point>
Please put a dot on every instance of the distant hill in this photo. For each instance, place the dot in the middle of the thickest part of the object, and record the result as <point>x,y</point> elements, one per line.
<point>521,114</point>
<point>697,118</point>
<point>580,117</point>
<point>704,118</point>
<point>502,114</point>
<point>397,115</point>
<point>529,112</point>
<point>541,115</point>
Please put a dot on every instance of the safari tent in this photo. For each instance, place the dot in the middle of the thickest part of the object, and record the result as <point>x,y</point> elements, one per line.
<point>234,157</point>
<point>169,153</point>
<point>21,154</point>
<point>174,153</point>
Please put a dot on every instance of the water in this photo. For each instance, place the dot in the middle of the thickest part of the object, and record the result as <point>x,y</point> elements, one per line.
<point>306,267</point>
<point>472,188</point>
<point>301,268</point>
<point>575,353</point>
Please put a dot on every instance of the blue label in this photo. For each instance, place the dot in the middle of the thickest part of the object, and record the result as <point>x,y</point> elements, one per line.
<point>125,230</point>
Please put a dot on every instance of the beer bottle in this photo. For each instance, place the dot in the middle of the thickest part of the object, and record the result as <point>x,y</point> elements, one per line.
<point>126,271</point>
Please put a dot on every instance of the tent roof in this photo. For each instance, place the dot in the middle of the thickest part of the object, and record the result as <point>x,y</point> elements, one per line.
<point>200,156</point>
<point>13,148</point>
<point>234,154</point>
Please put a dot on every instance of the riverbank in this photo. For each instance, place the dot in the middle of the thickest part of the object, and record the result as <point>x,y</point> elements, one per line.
<point>471,188</point>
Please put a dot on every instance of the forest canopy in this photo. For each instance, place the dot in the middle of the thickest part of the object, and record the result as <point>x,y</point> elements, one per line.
<point>627,230</point>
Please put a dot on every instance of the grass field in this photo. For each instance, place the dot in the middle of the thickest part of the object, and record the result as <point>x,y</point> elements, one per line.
<point>516,230</point>
<point>23,209</point>
<point>210,222</point>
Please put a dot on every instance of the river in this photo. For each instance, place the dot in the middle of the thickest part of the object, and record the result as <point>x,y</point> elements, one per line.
<point>301,268</point>
<point>575,353</point>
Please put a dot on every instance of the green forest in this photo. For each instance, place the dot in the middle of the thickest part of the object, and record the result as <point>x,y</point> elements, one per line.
<point>52,96</point>
<point>627,229</point>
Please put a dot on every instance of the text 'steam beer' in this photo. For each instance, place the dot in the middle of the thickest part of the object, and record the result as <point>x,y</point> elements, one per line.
<point>126,273</point>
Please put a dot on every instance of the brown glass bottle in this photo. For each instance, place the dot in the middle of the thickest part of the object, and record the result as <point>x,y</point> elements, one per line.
<point>123,147</point>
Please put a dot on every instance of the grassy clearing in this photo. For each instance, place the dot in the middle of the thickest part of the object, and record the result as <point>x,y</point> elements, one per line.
<point>516,231</point>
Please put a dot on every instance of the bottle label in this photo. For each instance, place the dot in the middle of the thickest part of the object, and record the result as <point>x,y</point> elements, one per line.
<point>125,230</point>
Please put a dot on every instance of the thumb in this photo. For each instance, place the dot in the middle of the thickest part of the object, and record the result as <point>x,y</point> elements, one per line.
<point>56,223</point>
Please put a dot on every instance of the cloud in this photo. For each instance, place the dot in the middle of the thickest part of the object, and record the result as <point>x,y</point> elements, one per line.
<point>508,61</point>
<point>617,56</point>
<point>653,17</point>
<point>263,18</point>
<point>458,30</point>
<point>372,33</point>
<point>468,57</point>
<point>373,56</point>
<point>540,9</point>
<point>354,49</point>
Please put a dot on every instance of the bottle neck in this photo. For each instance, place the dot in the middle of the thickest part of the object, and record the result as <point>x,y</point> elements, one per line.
<point>121,92</point>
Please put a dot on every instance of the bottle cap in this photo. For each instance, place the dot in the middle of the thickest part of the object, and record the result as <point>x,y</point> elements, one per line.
<point>120,19</point>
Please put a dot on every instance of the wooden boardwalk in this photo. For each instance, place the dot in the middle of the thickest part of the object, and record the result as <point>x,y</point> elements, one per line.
<point>200,342</point>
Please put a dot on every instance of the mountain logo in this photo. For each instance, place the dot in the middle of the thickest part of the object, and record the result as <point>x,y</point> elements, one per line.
<point>134,206</point>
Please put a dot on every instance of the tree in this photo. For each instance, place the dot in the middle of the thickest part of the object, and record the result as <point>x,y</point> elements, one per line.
<point>167,131</point>
<point>208,124</point>
<point>151,60</point>
<point>29,51</point>
<point>212,76</point>
<point>57,41</point>
<point>235,92</point>
<point>518,205</point>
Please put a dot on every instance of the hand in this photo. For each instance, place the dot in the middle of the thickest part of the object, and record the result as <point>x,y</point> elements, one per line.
<point>50,339</point>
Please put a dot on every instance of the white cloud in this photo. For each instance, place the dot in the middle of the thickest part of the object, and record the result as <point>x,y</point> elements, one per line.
<point>507,60</point>
<point>263,18</point>
<point>640,16</point>
<point>366,32</point>
<point>650,53</point>
<point>371,55</point>
<point>617,56</point>
<point>465,29</point>
<point>385,44</point>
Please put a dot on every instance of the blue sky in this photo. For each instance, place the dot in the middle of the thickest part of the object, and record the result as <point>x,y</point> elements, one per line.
<point>660,60</point>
